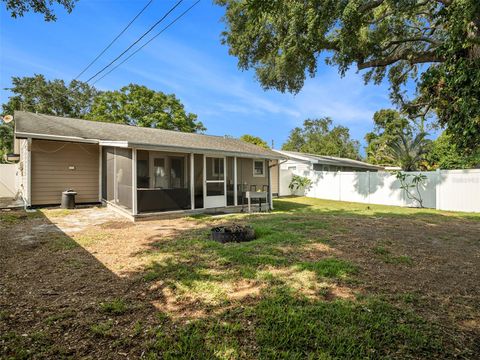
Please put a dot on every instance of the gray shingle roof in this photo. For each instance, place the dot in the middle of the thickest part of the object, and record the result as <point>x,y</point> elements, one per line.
<point>329,160</point>
<point>46,125</point>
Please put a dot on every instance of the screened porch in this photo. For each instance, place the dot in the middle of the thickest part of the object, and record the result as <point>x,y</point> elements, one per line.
<point>142,181</point>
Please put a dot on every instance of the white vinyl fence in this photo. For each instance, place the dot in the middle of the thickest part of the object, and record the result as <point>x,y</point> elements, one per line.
<point>456,190</point>
<point>7,180</point>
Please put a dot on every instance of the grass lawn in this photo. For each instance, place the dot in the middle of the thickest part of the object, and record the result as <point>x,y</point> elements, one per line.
<point>323,280</point>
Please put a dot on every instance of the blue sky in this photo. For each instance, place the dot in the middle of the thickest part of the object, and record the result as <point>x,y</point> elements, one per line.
<point>188,60</point>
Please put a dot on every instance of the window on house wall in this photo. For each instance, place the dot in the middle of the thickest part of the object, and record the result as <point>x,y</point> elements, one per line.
<point>159,173</point>
<point>143,176</point>
<point>292,168</point>
<point>177,173</point>
<point>216,167</point>
<point>258,168</point>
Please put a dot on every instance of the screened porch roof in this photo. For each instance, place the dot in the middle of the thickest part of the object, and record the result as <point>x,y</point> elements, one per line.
<point>30,125</point>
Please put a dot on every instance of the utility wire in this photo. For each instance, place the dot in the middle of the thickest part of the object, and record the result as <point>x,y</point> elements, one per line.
<point>149,41</point>
<point>111,43</point>
<point>65,96</point>
<point>136,41</point>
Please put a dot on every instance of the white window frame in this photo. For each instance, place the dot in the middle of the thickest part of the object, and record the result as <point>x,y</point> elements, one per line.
<point>214,172</point>
<point>152,158</point>
<point>263,168</point>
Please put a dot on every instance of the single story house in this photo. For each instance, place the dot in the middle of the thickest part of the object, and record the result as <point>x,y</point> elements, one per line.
<point>138,171</point>
<point>302,162</point>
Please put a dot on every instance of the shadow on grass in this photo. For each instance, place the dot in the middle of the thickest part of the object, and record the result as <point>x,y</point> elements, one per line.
<point>59,301</point>
<point>152,311</point>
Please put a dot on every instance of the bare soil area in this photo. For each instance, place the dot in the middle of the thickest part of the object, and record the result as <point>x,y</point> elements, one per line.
<point>89,284</point>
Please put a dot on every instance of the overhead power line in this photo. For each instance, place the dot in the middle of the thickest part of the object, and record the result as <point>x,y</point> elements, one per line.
<point>65,96</point>
<point>136,41</point>
<point>148,42</point>
<point>113,41</point>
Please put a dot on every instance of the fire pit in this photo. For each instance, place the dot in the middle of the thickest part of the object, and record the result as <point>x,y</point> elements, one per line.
<point>233,233</point>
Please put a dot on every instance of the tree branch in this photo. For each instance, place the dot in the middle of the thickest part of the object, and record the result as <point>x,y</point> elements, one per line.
<point>413,58</point>
<point>371,5</point>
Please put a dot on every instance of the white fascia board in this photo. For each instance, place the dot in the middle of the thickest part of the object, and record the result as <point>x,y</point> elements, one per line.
<point>25,135</point>
<point>295,157</point>
<point>202,151</point>
<point>122,144</point>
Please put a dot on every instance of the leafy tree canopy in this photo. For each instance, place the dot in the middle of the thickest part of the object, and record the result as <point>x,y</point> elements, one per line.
<point>37,94</point>
<point>388,125</point>
<point>50,97</point>
<point>133,105</point>
<point>6,139</point>
<point>17,8</point>
<point>254,140</point>
<point>319,137</point>
<point>436,43</point>
<point>443,154</point>
<point>140,106</point>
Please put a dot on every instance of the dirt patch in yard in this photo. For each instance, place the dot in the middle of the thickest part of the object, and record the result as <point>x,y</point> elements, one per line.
<point>433,268</point>
<point>87,283</point>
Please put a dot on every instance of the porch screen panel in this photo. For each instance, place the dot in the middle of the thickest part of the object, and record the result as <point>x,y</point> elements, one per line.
<point>143,169</point>
<point>108,174</point>
<point>198,170</point>
<point>169,188</point>
<point>123,178</point>
<point>230,182</point>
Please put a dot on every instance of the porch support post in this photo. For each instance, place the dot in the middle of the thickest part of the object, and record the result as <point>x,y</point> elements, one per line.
<point>100,175</point>
<point>235,182</point>
<point>192,181</point>
<point>29,172</point>
<point>270,197</point>
<point>204,180</point>
<point>134,182</point>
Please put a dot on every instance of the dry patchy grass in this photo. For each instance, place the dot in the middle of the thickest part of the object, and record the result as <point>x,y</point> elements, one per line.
<point>323,280</point>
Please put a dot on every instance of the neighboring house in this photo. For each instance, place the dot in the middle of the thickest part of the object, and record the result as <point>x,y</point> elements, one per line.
<point>393,168</point>
<point>136,170</point>
<point>300,162</point>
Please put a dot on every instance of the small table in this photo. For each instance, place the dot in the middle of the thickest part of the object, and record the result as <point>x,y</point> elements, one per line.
<point>255,195</point>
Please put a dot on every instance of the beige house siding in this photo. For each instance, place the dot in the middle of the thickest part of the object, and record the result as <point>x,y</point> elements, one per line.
<point>245,173</point>
<point>51,175</point>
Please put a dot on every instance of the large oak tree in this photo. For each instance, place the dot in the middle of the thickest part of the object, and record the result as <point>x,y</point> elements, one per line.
<point>140,106</point>
<point>50,97</point>
<point>317,136</point>
<point>17,8</point>
<point>255,140</point>
<point>434,42</point>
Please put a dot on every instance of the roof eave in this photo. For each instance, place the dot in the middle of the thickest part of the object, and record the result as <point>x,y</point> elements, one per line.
<point>26,135</point>
<point>141,146</point>
<point>126,144</point>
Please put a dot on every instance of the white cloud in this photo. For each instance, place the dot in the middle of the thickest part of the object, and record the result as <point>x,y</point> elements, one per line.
<point>200,75</point>
<point>347,100</point>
